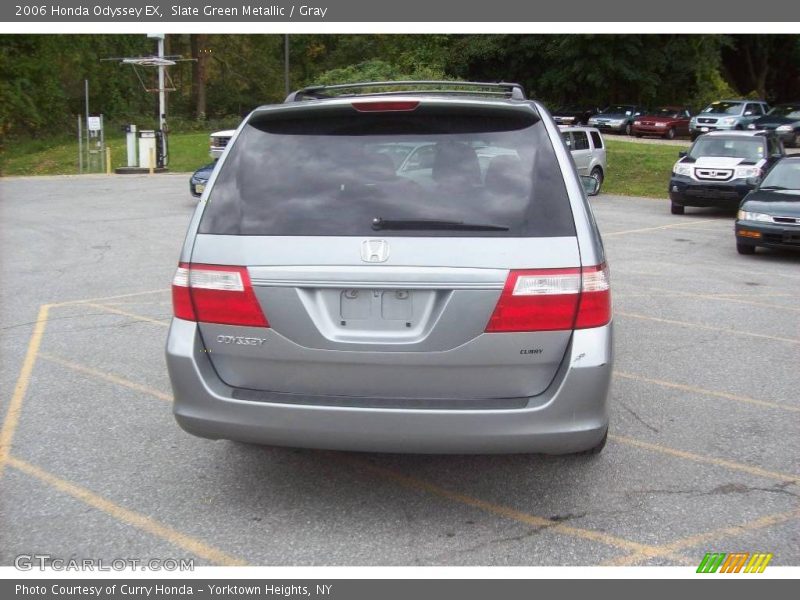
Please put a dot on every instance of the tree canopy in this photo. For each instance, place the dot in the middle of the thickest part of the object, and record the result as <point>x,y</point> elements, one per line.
<point>41,76</point>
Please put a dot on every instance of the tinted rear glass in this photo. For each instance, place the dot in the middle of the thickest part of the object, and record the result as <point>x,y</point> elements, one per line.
<point>332,172</point>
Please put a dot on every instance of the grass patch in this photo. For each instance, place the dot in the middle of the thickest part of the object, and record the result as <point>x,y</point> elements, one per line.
<point>59,156</point>
<point>633,169</point>
<point>639,169</point>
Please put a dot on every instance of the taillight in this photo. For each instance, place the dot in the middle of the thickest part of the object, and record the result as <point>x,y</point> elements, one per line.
<point>386,105</point>
<point>216,294</point>
<point>552,300</point>
<point>595,306</point>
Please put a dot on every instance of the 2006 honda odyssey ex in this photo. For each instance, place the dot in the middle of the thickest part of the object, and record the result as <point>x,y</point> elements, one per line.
<point>414,269</point>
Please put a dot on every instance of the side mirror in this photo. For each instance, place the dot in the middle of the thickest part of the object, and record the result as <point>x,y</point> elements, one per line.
<point>682,154</point>
<point>590,185</point>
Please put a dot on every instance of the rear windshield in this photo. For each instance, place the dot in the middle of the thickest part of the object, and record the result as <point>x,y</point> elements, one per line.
<point>749,148</point>
<point>334,172</point>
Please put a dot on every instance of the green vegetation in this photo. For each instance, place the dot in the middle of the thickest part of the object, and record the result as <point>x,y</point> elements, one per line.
<point>42,76</point>
<point>60,156</point>
<point>638,169</point>
<point>633,169</point>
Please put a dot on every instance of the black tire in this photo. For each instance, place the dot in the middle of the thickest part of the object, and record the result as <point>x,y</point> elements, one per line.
<point>638,135</point>
<point>745,249</point>
<point>670,133</point>
<point>596,449</point>
<point>677,209</point>
<point>597,174</point>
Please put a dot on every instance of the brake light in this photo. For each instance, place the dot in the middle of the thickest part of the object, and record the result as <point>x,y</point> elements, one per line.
<point>216,294</point>
<point>386,106</point>
<point>552,300</point>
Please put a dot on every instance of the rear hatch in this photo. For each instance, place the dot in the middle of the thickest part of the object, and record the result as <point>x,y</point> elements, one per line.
<point>382,242</point>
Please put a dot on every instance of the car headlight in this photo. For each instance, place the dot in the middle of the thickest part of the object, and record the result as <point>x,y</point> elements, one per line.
<point>682,169</point>
<point>751,126</point>
<point>744,215</point>
<point>784,128</point>
<point>727,121</point>
<point>637,123</point>
<point>745,172</point>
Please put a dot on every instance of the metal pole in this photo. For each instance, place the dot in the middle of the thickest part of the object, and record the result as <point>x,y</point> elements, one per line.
<point>162,101</point>
<point>286,63</point>
<point>80,146</point>
<point>88,148</point>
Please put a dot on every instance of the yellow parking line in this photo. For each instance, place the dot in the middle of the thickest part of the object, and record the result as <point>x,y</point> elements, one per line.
<point>707,327</point>
<point>85,300</point>
<point>107,377</point>
<point>719,462</point>
<point>129,517</point>
<point>670,226</point>
<point>668,550</point>
<point>500,510</point>
<point>704,392</point>
<point>724,299</point>
<point>14,410</point>
<point>126,314</point>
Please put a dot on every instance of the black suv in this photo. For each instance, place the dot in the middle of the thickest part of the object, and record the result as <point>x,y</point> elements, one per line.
<point>721,168</point>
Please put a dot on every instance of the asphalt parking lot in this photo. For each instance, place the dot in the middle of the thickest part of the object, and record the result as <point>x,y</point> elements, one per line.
<point>703,455</point>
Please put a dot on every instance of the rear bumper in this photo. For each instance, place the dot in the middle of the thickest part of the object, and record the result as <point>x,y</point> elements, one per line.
<point>572,416</point>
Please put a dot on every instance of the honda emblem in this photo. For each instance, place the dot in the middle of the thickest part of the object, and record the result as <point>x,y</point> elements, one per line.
<point>374,251</point>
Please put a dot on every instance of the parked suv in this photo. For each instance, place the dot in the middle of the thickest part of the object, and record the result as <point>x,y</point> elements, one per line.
<point>324,299</point>
<point>588,151</point>
<point>617,118</point>
<point>727,114</point>
<point>721,168</point>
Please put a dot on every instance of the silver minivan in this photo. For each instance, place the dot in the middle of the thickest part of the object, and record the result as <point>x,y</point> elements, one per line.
<point>398,267</point>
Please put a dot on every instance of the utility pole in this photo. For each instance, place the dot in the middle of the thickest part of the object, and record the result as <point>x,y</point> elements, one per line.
<point>162,95</point>
<point>286,63</point>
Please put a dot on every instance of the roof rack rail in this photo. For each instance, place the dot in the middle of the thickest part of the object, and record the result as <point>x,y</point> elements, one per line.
<point>501,89</point>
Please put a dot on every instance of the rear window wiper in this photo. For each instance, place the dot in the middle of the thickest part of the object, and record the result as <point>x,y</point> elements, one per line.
<point>379,223</point>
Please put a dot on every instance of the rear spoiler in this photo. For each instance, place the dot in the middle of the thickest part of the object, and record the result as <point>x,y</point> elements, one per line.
<point>513,91</point>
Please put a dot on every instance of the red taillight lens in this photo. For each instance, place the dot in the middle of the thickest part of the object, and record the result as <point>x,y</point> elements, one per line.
<point>216,294</point>
<point>552,300</point>
<point>386,105</point>
<point>595,307</point>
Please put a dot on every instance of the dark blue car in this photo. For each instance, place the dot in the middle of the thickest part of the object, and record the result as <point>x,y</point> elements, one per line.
<point>199,179</point>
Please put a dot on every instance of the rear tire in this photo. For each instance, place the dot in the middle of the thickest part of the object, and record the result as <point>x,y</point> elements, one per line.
<point>745,249</point>
<point>677,209</point>
<point>670,133</point>
<point>597,175</point>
